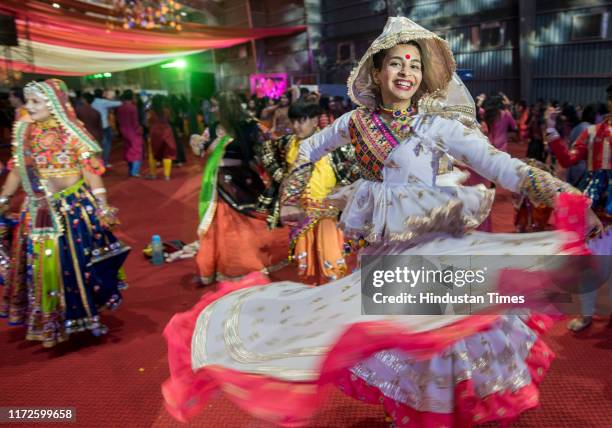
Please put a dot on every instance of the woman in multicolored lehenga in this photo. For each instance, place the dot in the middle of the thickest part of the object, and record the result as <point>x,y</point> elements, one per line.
<point>273,348</point>
<point>234,239</point>
<point>316,243</point>
<point>66,264</point>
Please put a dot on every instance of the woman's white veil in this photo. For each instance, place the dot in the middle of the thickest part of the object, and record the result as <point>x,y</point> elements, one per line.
<point>454,102</point>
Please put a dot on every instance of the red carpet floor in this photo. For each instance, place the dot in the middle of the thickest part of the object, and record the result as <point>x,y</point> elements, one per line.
<point>115,381</point>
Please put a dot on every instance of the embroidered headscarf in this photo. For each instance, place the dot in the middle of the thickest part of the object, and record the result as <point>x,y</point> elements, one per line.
<point>438,62</point>
<point>445,93</point>
<point>55,92</point>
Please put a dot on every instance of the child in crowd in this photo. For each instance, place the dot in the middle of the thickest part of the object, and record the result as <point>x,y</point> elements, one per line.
<point>317,245</point>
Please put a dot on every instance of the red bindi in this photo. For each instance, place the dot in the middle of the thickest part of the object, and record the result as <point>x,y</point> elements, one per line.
<point>407,56</point>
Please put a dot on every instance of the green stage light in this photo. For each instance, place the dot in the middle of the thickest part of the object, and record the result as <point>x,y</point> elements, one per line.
<point>99,76</point>
<point>179,63</point>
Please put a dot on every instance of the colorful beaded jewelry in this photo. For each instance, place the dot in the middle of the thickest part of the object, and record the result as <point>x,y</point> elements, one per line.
<point>542,188</point>
<point>402,119</point>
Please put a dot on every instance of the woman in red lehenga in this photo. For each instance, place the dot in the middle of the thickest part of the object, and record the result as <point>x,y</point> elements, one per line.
<point>234,239</point>
<point>273,348</point>
<point>163,145</point>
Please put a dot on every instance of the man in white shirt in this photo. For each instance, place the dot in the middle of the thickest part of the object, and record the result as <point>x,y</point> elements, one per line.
<point>102,105</point>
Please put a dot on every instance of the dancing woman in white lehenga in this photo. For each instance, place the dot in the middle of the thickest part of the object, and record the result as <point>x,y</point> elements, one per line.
<point>272,348</point>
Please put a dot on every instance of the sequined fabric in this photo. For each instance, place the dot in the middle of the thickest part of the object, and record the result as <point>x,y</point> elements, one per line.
<point>56,153</point>
<point>494,361</point>
<point>57,287</point>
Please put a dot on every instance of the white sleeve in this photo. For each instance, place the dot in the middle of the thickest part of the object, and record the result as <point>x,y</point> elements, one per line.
<point>327,140</point>
<point>471,147</point>
<point>111,103</point>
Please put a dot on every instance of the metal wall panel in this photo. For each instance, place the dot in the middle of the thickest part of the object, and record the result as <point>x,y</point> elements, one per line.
<point>562,69</point>
<point>349,29</point>
<point>344,21</point>
<point>488,64</point>
<point>567,70</point>
<point>507,86</point>
<point>283,12</point>
<point>428,9</point>
<point>574,59</point>
<point>575,91</point>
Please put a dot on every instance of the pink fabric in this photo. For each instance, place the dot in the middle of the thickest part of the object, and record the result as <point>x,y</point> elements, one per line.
<point>571,215</point>
<point>470,409</point>
<point>282,402</point>
<point>131,132</point>
<point>293,403</point>
<point>523,127</point>
<point>499,132</point>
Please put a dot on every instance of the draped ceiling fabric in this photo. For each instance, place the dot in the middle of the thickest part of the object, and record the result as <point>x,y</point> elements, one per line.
<point>73,44</point>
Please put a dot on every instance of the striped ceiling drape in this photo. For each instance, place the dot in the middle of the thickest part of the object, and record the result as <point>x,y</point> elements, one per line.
<point>63,42</point>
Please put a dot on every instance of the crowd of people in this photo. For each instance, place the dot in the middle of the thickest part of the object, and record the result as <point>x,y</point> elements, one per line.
<point>308,179</point>
<point>380,173</point>
<point>152,129</point>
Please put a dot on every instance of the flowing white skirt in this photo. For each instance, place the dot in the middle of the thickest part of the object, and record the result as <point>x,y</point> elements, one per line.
<point>272,347</point>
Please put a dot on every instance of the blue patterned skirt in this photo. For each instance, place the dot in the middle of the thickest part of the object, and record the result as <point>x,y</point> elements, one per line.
<point>598,187</point>
<point>57,285</point>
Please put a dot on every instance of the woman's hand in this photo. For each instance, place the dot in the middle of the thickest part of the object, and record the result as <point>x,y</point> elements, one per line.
<point>594,225</point>
<point>550,117</point>
<point>291,216</point>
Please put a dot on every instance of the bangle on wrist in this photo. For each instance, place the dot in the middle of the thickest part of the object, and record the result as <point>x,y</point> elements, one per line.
<point>99,191</point>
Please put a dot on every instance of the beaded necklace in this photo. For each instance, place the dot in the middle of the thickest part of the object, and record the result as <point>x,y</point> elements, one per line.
<point>47,124</point>
<point>402,119</point>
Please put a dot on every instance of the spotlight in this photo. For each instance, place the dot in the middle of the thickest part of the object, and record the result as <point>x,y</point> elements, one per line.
<point>179,63</point>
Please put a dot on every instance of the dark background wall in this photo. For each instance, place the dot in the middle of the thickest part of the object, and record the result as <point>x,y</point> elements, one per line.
<point>526,48</point>
<point>537,55</point>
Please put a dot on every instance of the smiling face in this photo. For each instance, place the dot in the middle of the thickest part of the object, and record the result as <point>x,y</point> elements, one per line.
<point>37,107</point>
<point>399,76</point>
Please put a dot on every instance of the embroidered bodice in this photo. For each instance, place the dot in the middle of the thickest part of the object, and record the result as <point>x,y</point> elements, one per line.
<point>54,153</point>
<point>402,193</point>
<point>417,156</point>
